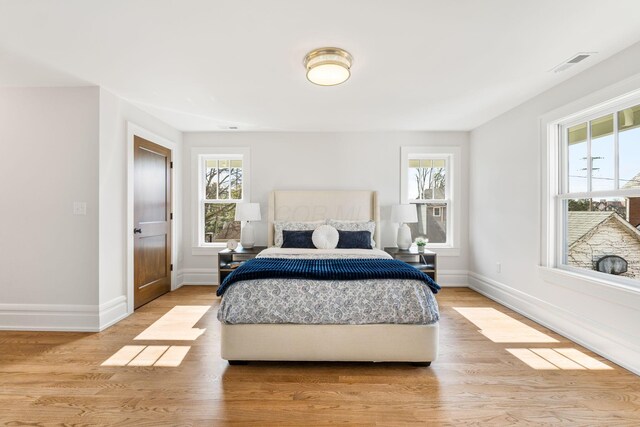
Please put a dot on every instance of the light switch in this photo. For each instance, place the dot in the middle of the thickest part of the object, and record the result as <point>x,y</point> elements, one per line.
<point>79,208</point>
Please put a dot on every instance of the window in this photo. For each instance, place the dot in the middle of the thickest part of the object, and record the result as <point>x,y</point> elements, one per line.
<point>221,181</point>
<point>222,189</point>
<point>428,183</point>
<point>598,200</point>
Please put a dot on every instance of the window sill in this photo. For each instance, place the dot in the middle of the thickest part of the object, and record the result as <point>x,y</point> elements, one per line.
<point>600,288</point>
<point>208,250</point>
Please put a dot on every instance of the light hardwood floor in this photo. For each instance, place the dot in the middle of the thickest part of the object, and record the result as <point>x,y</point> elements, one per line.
<point>49,378</point>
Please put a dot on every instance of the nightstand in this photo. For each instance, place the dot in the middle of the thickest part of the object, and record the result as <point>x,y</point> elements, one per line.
<point>229,260</point>
<point>426,261</point>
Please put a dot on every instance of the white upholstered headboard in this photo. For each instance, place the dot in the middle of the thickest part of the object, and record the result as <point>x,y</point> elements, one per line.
<point>313,205</point>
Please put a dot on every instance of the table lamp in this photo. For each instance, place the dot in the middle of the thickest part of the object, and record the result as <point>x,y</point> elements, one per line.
<point>402,214</point>
<point>247,212</point>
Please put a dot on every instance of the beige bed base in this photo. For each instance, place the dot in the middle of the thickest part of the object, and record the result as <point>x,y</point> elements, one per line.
<point>332,343</point>
<point>356,343</point>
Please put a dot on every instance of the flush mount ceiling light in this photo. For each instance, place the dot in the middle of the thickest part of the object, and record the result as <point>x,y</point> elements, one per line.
<point>328,66</point>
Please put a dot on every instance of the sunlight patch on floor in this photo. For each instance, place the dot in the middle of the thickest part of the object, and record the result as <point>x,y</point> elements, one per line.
<point>501,328</point>
<point>557,358</point>
<point>124,355</point>
<point>173,357</point>
<point>531,359</point>
<point>177,324</point>
<point>153,355</point>
<point>583,359</point>
<point>149,355</point>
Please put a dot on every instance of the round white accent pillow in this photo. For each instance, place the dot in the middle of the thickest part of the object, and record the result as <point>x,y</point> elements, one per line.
<point>325,237</point>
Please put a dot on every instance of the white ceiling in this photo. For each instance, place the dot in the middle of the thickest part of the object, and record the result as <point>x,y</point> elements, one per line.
<point>207,65</point>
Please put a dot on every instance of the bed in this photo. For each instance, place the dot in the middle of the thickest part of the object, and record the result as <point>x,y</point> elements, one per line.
<point>303,319</point>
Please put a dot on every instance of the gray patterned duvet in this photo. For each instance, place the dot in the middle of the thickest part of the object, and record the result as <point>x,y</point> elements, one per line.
<point>326,302</point>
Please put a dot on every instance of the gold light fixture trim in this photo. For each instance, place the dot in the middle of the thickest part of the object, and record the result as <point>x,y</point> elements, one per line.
<point>328,66</point>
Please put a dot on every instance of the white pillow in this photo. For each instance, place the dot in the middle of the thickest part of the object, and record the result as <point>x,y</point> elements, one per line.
<point>293,226</point>
<point>345,225</point>
<point>325,237</point>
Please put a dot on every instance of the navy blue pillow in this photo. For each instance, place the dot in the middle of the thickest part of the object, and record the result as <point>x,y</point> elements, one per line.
<point>297,239</point>
<point>354,240</point>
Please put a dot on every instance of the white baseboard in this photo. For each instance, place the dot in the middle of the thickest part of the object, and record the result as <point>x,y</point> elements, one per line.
<point>601,339</point>
<point>112,312</point>
<point>179,281</point>
<point>49,317</point>
<point>453,278</point>
<point>198,276</point>
<point>62,317</point>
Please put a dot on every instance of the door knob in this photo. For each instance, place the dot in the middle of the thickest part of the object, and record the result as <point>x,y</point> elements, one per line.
<point>137,230</point>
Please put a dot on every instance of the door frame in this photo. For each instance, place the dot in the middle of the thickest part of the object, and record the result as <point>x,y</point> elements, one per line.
<point>132,131</point>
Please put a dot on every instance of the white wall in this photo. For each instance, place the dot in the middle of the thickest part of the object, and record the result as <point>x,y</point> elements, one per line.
<point>505,225</point>
<point>113,232</point>
<point>49,152</point>
<point>60,271</point>
<point>288,161</point>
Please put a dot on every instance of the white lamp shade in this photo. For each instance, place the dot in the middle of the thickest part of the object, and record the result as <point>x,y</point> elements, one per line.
<point>404,213</point>
<point>248,212</point>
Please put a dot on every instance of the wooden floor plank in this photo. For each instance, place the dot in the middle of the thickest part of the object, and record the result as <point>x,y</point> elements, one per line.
<point>53,378</point>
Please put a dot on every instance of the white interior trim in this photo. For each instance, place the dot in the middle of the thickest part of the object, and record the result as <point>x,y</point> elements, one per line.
<point>111,312</point>
<point>198,276</point>
<point>49,317</point>
<point>453,278</point>
<point>453,190</point>
<point>62,317</point>
<point>596,287</point>
<point>612,96</point>
<point>197,247</point>
<point>610,343</point>
<point>135,130</point>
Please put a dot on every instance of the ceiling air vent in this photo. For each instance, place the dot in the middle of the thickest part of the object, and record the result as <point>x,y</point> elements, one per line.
<point>575,59</point>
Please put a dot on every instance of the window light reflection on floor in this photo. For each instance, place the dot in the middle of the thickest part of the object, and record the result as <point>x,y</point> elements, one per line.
<point>501,328</point>
<point>177,324</point>
<point>153,355</point>
<point>173,357</point>
<point>557,358</point>
<point>531,359</point>
<point>583,359</point>
<point>149,355</point>
<point>124,355</point>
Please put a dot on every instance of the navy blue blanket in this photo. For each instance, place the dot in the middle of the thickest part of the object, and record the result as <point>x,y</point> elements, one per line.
<point>325,269</point>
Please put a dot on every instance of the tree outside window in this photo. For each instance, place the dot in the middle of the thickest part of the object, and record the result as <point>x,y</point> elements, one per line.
<point>427,179</point>
<point>223,182</point>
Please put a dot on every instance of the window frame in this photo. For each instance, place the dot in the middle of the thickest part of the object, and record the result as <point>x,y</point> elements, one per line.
<point>452,156</point>
<point>556,182</point>
<point>199,156</point>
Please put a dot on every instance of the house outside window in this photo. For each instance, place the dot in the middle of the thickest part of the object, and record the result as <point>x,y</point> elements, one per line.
<point>599,192</point>
<point>221,180</point>
<point>428,181</point>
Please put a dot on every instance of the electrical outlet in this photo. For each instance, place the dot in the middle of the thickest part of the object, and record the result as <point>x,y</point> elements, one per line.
<point>79,208</point>
<point>498,267</point>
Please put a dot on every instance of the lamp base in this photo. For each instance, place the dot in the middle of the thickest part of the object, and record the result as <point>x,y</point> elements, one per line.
<point>247,236</point>
<point>404,237</point>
